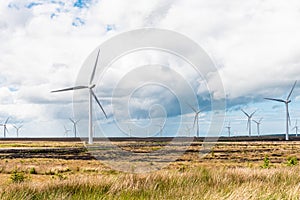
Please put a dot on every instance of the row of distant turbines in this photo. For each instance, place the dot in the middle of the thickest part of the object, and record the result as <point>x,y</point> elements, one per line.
<point>258,123</point>
<point>5,129</point>
<point>92,96</point>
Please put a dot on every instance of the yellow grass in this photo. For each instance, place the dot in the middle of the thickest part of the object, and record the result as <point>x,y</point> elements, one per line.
<point>230,171</point>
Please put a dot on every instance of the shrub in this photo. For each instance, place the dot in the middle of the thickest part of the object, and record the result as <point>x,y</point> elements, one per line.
<point>292,161</point>
<point>17,177</point>
<point>266,162</point>
<point>32,171</point>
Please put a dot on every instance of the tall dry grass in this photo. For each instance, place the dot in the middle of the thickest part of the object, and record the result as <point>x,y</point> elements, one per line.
<point>181,183</point>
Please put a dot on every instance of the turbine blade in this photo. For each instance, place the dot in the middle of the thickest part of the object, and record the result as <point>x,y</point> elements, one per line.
<point>6,120</point>
<point>255,121</point>
<point>71,88</point>
<point>245,113</point>
<point>192,108</point>
<point>253,113</point>
<point>94,69</point>
<point>279,100</point>
<point>288,98</point>
<point>72,120</point>
<point>98,102</point>
<point>260,119</point>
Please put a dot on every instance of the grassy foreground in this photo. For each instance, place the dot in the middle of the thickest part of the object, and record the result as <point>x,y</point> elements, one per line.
<point>196,183</point>
<point>240,176</point>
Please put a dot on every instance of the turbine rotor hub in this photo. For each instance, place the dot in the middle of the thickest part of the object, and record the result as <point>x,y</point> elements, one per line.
<point>92,86</point>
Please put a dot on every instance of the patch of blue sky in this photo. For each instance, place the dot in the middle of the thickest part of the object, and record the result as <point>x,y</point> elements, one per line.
<point>58,2</point>
<point>110,27</point>
<point>78,22</point>
<point>32,4</point>
<point>82,3</point>
<point>13,6</point>
<point>53,15</point>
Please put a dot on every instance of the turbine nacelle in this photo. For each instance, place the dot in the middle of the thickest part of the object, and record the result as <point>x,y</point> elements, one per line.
<point>91,86</point>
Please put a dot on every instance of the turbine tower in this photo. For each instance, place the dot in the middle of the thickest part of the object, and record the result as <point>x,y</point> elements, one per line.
<point>258,125</point>
<point>286,102</point>
<point>229,129</point>
<point>296,128</point>
<point>17,129</point>
<point>249,116</point>
<point>4,127</point>
<point>91,96</point>
<point>74,122</point>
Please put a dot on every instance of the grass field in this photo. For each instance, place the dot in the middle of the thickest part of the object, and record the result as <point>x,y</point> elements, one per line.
<point>232,170</point>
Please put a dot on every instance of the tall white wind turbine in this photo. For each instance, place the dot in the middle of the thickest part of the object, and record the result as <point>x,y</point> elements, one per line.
<point>4,127</point>
<point>258,125</point>
<point>249,116</point>
<point>91,96</point>
<point>286,102</point>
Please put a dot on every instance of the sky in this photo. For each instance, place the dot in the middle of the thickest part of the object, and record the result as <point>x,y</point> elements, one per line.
<point>255,46</point>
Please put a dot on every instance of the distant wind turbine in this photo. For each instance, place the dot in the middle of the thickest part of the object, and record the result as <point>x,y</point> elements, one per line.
<point>258,125</point>
<point>249,116</point>
<point>196,119</point>
<point>66,131</point>
<point>286,102</point>
<point>130,130</point>
<point>91,96</point>
<point>296,127</point>
<point>161,129</point>
<point>188,130</point>
<point>229,129</point>
<point>4,127</point>
<point>17,129</point>
<point>74,122</point>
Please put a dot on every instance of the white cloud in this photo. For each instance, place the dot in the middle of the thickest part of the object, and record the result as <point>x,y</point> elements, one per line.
<point>256,45</point>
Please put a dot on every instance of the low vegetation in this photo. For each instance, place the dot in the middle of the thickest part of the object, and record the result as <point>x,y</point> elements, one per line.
<point>245,172</point>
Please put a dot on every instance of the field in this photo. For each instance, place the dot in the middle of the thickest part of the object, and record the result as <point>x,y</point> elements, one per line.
<point>230,170</point>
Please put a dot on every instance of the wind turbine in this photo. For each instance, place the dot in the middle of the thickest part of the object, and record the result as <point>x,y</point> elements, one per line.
<point>4,127</point>
<point>161,129</point>
<point>296,127</point>
<point>130,130</point>
<point>188,130</point>
<point>228,128</point>
<point>249,116</point>
<point>66,131</point>
<point>258,125</point>
<point>286,102</point>
<point>74,122</point>
<point>91,96</point>
<point>196,119</point>
<point>17,129</point>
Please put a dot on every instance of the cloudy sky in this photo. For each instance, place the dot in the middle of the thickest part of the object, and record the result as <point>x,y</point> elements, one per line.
<point>255,46</point>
